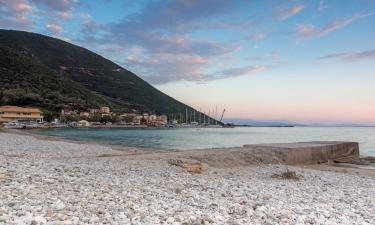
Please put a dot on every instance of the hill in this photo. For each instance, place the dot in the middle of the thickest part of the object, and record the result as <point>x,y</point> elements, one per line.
<point>48,72</point>
<point>25,81</point>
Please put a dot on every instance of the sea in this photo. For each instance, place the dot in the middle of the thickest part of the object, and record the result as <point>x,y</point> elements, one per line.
<point>202,138</point>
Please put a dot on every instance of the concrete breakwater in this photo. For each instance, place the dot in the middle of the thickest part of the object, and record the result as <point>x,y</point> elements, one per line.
<point>299,153</point>
<point>314,152</point>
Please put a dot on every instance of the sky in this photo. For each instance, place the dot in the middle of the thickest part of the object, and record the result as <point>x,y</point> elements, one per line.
<point>304,61</point>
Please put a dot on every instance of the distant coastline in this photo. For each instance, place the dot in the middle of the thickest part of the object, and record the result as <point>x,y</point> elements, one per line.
<point>244,125</point>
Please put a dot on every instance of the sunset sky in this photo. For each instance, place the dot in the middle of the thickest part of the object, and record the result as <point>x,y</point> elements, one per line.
<point>305,61</point>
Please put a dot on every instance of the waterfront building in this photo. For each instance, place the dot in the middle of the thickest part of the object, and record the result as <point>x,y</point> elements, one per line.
<point>151,118</point>
<point>162,119</point>
<point>15,113</point>
<point>83,123</point>
<point>137,120</point>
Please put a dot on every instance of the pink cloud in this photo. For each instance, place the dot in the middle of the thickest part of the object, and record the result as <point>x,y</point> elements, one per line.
<point>65,15</point>
<point>14,14</point>
<point>286,13</point>
<point>54,28</point>
<point>352,56</point>
<point>57,5</point>
<point>241,71</point>
<point>22,7</point>
<point>309,30</point>
<point>256,37</point>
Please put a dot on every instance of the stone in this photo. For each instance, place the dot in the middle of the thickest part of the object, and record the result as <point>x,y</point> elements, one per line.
<point>58,205</point>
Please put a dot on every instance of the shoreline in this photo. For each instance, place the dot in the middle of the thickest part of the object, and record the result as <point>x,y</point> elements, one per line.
<point>59,182</point>
<point>200,154</point>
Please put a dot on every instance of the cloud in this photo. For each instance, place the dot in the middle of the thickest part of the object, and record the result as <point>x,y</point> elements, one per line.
<point>57,5</point>
<point>352,56</point>
<point>162,31</point>
<point>310,31</point>
<point>19,14</point>
<point>65,15</point>
<point>256,37</point>
<point>164,68</point>
<point>272,56</point>
<point>241,71</point>
<point>14,14</point>
<point>179,15</point>
<point>288,12</point>
<point>54,28</point>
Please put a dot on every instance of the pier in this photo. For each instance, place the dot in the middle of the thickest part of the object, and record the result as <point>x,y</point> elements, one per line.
<point>298,153</point>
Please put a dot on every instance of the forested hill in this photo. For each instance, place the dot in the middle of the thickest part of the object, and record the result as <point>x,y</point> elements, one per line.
<point>50,73</point>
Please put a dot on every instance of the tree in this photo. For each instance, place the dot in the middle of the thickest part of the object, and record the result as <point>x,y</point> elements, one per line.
<point>143,121</point>
<point>128,119</point>
<point>106,119</point>
<point>70,118</point>
<point>115,118</point>
<point>95,118</point>
<point>2,99</point>
<point>49,115</point>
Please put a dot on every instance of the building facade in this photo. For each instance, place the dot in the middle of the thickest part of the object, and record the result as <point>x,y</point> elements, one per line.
<point>105,110</point>
<point>15,113</point>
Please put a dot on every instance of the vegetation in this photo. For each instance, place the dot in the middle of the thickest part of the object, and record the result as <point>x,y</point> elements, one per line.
<point>26,82</point>
<point>288,175</point>
<point>95,118</point>
<point>50,73</point>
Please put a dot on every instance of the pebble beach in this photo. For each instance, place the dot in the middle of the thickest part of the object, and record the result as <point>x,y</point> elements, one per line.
<point>59,182</point>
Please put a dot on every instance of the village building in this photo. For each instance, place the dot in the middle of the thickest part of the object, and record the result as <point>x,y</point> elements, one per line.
<point>137,120</point>
<point>84,114</point>
<point>67,111</point>
<point>151,118</point>
<point>124,115</point>
<point>158,120</point>
<point>105,110</point>
<point>162,119</point>
<point>83,123</point>
<point>93,111</point>
<point>15,113</point>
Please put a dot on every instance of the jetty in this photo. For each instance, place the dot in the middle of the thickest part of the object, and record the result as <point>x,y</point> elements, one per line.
<point>298,153</point>
<point>313,152</point>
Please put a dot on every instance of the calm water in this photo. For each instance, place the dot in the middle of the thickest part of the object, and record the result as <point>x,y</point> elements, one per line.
<point>193,138</point>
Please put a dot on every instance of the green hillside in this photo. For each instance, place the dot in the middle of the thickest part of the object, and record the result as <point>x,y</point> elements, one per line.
<point>24,81</point>
<point>48,72</point>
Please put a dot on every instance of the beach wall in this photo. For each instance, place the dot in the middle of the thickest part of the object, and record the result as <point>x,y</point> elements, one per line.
<point>314,152</point>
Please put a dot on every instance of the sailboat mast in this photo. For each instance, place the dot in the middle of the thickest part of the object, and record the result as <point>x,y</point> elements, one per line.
<point>209,113</point>
<point>216,115</point>
<point>200,115</point>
